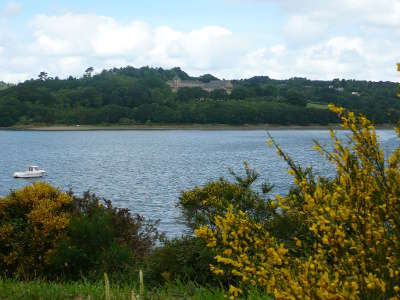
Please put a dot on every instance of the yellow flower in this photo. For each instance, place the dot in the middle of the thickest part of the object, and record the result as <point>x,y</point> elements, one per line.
<point>228,252</point>
<point>234,291</point>
<point>348,223</point>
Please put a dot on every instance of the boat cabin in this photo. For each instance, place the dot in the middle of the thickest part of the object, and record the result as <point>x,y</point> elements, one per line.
<point>33,168</point>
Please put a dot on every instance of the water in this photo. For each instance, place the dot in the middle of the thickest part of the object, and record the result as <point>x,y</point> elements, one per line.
<point>146,170</point>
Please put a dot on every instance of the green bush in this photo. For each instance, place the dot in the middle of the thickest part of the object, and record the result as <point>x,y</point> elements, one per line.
<point>90,250</point>
<point>200,205</point>
<point>47,233</point>
<point>184,259</point>
<point>101,239</point>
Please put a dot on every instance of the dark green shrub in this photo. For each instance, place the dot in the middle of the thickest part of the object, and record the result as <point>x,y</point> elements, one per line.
<point>200,205</point>
<point>101,238</point>
<point>131,230</point>
<point>184,259</point>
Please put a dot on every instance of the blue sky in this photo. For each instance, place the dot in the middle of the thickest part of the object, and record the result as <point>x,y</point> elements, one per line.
<point>237,15</point>
<point>229,38</point>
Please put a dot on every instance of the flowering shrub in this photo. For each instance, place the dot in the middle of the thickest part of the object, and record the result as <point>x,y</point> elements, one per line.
<point>101,238</point>
<point>47,233</point>
<point>32,221</point>
<point>201,205</point>
<point>346,244</point>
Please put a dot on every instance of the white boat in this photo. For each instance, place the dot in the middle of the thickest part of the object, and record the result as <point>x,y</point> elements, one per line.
<point>33,171</point>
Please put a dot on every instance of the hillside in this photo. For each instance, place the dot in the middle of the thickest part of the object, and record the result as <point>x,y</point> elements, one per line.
<point>4,85</point>
<point>142,95</point>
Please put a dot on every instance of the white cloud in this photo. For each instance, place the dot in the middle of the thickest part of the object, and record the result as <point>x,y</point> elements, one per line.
<point>102,40</point>
<point>339,55</point>
<point>114,39</point>
<point>267,61</point>
<point>70,64</point>
<point>303,28</point>
<point>67,34</point>
<point>320,40</point>
<point>12,9</point>
<point>24,61</point>
<point>370,10</point>
<point>337,17</point>
<point>13,77</point>
<point>337,38</point>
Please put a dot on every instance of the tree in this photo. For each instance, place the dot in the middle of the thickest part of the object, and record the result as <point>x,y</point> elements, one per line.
<point>241,92</point>
<point>88,72</point>
<point>189,93</point>
<point>219,94</point>
<point>295,98</point>
<point>254,100</point>
<point>207,78</point>
<point>43,76</point>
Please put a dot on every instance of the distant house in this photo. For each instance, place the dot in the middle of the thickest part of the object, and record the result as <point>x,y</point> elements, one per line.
<point>355,93</point>
<point>178,83</point>
<point>340,89</point>
<point>331,86</point>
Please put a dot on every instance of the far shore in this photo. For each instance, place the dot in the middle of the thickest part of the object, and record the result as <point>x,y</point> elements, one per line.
<point>179,127</point>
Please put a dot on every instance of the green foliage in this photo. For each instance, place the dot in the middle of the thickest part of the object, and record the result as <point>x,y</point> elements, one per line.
<point>219,94</point>
<point>295,98</point>
<point>207,78</point>
<point>117,95</point>
<point>317,105</point>
<point>51,234</point>
<point>4,85</point>
<point>190,93</point>
<point>241,92</point>
<point>101,239</point>
<point>184,259</point>
<point>201,205</point>
<point>12,289</point>
<point>90,250</point>
<point>330,237</point>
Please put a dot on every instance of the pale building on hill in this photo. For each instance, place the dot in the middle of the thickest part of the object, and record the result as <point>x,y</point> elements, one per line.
<point>178,83</point>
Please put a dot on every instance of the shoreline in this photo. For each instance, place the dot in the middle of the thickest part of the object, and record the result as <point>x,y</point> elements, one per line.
<point>210,127</point>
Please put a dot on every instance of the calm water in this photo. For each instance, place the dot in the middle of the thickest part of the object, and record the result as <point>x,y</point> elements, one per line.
<point>146,170</point>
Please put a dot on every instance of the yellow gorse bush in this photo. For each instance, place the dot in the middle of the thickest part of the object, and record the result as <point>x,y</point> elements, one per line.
<point>347,245</point>
<point>201,204</point>
<point>398,69</point>
<point>32,221</point>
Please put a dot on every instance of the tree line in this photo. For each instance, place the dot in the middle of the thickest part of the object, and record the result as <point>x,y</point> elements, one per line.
<point>142,95</point>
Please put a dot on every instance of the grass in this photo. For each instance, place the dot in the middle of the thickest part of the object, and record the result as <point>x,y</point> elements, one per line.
<point>317,105</point>
<point>14,289</point>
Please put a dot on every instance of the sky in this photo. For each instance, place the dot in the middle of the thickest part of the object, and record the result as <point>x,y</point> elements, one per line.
<point>232,39</point>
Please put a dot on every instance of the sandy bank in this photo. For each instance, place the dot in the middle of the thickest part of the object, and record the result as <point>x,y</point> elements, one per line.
<point>180,127</point>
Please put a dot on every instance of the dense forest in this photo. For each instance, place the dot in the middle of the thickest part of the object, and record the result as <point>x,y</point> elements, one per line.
<point>143,96</point>
<point>4,85</point>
